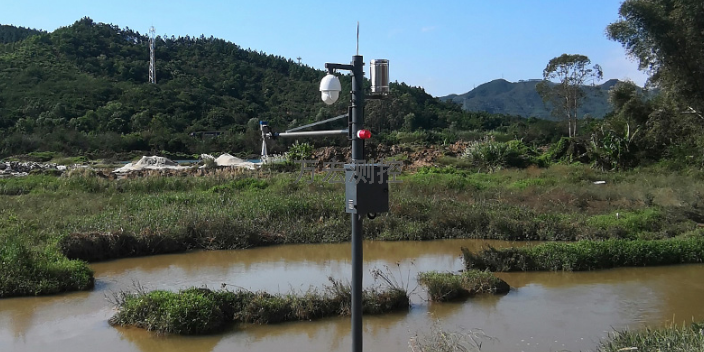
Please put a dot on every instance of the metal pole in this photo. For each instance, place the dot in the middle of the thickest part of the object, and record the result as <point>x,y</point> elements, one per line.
<point>357,156</point>
<point>312,133</point>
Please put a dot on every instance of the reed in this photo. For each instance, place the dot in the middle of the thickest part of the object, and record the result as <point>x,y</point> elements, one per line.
<point>202,311</point>
<point>449,286</point>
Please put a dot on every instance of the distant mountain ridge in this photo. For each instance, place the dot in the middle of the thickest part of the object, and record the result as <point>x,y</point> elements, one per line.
<point>12,34</point>
<point>521,98</point>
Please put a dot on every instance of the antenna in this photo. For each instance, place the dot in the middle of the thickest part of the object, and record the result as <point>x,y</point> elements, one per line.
<point>152,62</point>
<point>357,38</point>
<point>299,60</point>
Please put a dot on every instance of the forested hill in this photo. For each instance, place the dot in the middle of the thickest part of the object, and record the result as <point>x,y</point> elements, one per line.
<point>84,88</point>
<point>11,34</point>
<point>521,98</point>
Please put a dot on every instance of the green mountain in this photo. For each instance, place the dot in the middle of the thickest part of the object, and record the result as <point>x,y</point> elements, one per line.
<point>520,98</point>
<point>11,34</point>
<point>84,89</point>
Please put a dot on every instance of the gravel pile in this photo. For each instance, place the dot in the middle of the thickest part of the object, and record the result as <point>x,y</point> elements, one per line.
<point>23,168</point>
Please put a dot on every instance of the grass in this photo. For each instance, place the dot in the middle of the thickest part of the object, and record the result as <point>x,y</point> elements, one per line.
<point>589,255</point>
<point>448,286</point>
<point>438,339</point>
<point>84,215</point>
<point>202,311</point>
<point>673,338</point>
<point>32,271</point>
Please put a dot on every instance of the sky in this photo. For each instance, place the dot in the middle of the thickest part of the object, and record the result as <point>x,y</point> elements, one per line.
<point>445,47</point>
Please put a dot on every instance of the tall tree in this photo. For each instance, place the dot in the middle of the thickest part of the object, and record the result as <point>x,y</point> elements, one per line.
<point>563,86</point>
<point>667,38</point>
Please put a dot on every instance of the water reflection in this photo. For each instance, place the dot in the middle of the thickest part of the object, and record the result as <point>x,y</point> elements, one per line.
<point>19,314</point>
<point>143,340</point>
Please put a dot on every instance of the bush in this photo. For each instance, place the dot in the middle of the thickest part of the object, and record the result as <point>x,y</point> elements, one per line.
<point>493,155</point>
<point>588,255</point>
<point>193,311</point>
<point>25,271</point>
<point>202,311</point>
<point>672,338</point>
<point>299,151</point>
<point>449,286</point>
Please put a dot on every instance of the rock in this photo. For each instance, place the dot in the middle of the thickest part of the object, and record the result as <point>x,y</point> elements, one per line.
<point>18,169</point>
<point>150,163</point>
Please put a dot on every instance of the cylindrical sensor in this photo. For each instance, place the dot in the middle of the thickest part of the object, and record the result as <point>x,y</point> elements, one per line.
<point>380,76</point>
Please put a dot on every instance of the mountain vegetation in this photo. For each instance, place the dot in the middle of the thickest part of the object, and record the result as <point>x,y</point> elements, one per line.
<point>11,34</point>
<point>522,99</point>
<point>83,89</point>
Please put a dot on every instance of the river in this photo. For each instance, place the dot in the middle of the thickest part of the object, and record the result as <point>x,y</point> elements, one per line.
<point>543,312</point>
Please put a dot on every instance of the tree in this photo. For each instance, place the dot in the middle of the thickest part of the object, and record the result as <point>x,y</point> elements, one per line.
<point>566,94</point>
<point>667,39</point>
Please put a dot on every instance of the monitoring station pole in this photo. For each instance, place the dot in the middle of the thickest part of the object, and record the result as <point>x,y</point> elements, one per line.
<point>362,196</point>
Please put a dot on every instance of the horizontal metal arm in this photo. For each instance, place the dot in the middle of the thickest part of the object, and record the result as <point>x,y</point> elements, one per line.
<point>331,67</point>
<point>316,123</point>
<point>312,133</point>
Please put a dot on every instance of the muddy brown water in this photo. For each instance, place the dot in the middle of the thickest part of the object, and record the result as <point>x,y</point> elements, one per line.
<point>543,312</point>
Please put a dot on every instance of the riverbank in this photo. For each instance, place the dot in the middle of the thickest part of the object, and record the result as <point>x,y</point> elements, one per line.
<point>588,255</point>
<point>83,216</point>
<point>673,338</point>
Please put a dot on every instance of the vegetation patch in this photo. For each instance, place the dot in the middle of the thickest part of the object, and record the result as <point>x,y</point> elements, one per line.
<point>450,286</point>
<point>588,255</point>
<point>83,215</point>
<point>628,223</point>
<point>202,311</point>
<point>673,338</point>
<point>27,271</point>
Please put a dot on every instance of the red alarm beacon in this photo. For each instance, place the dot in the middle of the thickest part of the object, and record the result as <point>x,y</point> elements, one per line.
<point>364,134</point>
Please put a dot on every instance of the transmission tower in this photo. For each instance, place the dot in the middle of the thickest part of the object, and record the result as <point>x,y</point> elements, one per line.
<point>299,60</point>
<point>152,67</point>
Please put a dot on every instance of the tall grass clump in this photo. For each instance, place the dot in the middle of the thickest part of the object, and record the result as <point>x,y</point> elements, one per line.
<point>493,155</point>
<point>202,311</point>
<point>30,271</point>
<point>450,286</point>
<point>673,338</point>
<point>437,339</point>
<point>588,255</point>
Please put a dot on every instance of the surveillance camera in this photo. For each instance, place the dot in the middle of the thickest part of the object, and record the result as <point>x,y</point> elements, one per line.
<point>330,88</point>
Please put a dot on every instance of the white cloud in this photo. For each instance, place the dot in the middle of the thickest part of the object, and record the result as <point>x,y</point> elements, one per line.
<point>427,29</point>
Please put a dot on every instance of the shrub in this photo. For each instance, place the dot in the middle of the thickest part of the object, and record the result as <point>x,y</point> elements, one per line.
<point>202,311</point>
<point>26,271</point>
<point>493,155</point>
<point>588,255</point>
<point>299,151</point>
<point>672,338</point>
<point>449,286</point>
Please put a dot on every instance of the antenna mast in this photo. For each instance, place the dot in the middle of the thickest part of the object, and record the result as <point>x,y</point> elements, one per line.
<point>152,68</point>
<point>357,38</point>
